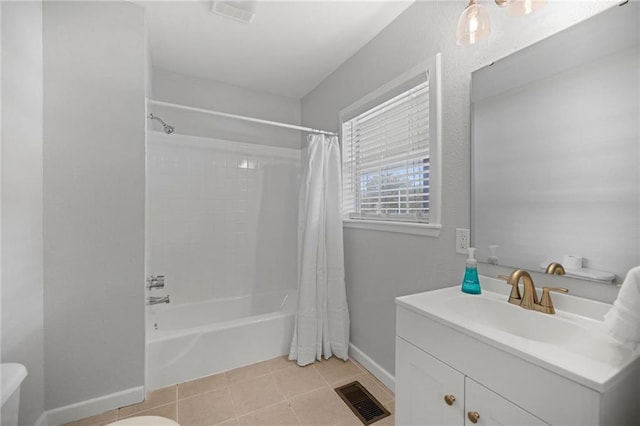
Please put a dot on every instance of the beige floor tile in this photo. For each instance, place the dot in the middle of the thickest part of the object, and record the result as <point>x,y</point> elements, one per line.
<point>167,410</point>
<point>388,421</point>
<point>281,362</point>
<point>248,372</point>
<point>373,386</point>
<point>250,395</point>
<point>298,380</point>
<point>383,386</point>
<point>378,382</point>
<point>322,407</point>
<point>277,415</point>
<point>206,409</point>
<point>98,420</point>
<point>232,422</point>
<point>258,394</point>
<point>155,398</point>
<point>334,370</point>
<point>360,366</point>
<point>205,384</point>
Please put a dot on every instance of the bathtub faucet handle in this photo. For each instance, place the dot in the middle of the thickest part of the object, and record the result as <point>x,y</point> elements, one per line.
<point>155,282</point>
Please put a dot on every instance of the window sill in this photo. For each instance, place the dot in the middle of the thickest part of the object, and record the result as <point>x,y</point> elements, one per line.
<point>424,229</point>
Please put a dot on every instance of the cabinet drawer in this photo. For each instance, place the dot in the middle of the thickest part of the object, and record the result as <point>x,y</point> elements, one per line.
<point>493,409</point>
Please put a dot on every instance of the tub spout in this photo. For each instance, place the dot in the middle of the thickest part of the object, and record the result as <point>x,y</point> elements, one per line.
<point>152,300</point>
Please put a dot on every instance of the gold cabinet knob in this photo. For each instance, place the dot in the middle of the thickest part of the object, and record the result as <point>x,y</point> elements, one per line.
<point>473,416</point>
<point>449,399</point>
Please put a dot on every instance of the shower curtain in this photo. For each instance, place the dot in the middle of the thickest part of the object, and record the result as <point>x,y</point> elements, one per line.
<point>322,319</point>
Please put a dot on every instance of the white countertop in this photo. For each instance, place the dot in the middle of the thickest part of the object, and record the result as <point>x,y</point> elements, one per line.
<point>572,343</point>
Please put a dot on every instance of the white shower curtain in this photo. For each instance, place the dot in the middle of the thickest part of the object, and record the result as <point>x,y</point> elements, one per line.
<point>322,320</point>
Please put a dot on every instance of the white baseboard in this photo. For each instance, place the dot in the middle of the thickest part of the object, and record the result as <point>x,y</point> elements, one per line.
<point>91,407</point>
<point>374,368</point>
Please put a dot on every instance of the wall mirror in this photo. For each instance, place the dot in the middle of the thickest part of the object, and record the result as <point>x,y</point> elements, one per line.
<point>555,151</point>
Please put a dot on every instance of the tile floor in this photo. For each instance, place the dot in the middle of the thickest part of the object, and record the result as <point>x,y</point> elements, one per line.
<point>274,392</point>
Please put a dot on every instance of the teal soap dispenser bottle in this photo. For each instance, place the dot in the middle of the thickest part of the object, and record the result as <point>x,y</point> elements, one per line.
<point>471,283</point>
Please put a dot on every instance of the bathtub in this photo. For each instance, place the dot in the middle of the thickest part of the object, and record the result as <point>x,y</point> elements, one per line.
<point>193,340</point>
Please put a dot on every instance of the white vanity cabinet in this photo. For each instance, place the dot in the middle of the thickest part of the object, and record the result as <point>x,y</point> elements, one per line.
<point>422,384</point>
<point>448,365</point>
<point>429,392</point>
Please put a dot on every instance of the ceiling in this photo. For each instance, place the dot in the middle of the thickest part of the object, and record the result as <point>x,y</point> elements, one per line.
<point>289,48</point>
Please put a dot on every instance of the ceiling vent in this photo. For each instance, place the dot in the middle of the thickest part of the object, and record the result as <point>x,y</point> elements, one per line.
<point>242,11</point>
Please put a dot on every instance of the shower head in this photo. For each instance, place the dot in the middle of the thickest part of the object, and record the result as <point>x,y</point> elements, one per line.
<point>167,128</point>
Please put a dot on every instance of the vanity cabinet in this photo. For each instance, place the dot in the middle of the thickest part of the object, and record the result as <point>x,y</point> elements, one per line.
<point>422,384</point>
<point>429,392</point>
<point>436,358</point>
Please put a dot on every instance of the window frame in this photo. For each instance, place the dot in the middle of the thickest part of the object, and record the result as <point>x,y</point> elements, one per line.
<point>427,70</point>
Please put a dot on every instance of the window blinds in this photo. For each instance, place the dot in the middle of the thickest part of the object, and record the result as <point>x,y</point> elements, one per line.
<point>386,160</point>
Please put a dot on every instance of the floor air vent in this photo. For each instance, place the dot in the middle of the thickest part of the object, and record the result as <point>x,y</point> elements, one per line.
<point>362,403</point>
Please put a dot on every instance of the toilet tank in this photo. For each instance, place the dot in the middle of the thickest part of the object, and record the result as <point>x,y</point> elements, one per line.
<point>11,377</point>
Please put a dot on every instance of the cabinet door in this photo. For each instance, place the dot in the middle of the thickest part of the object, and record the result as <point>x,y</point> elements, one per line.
<point>422,382</point>
<point>493,409</point>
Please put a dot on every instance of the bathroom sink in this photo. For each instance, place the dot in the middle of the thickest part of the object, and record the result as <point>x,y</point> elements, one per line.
<point>494,314</point>
<point>573,342</point>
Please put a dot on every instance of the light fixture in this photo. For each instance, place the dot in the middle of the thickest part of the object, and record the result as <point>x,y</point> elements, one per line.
<point>474,23</point>
<point>523,7</point>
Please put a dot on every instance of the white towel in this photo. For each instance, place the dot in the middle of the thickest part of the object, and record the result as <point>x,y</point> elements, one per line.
<point>623,319</point>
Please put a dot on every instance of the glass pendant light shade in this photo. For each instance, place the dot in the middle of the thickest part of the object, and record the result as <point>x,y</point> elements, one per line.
<point>473,24</point>
<point>523,7</point>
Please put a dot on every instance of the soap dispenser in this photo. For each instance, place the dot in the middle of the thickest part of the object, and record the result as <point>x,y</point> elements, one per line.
<point>471,283</point>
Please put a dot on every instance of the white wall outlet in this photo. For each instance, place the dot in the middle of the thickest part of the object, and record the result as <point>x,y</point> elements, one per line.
<point>462,240</point>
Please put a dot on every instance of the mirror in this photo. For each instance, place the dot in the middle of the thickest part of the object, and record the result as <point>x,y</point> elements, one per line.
<point>555,151</point>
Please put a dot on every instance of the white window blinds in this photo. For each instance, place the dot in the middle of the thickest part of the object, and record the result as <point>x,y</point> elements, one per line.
<point>386,159</point>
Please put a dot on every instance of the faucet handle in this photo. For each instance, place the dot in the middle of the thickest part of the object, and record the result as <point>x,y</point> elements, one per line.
<point>155,282</point>
<point>514,297</point>
<point>546,304</point>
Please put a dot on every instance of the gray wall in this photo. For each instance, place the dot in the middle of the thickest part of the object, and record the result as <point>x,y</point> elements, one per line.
<point>22,293</point>
<point>94,124</point>
<point>210,94</point>
<point>382,265</point>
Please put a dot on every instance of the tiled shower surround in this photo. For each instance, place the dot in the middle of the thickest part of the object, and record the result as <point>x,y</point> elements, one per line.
<point>221,216</point>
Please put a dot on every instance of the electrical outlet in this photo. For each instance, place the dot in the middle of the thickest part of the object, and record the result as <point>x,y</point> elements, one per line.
<point>462,240</point>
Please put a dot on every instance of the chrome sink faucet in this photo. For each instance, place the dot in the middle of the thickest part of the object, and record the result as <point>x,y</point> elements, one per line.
<point>529,298</point>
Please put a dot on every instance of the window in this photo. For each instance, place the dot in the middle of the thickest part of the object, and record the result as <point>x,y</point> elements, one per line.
<point>386,159</point>
<point>390,142</point>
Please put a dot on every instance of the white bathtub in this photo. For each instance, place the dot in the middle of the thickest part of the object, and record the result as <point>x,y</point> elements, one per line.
<point>188,341</point>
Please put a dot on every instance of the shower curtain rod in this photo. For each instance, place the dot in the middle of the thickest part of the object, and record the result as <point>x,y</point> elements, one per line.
<point>240,117</point>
